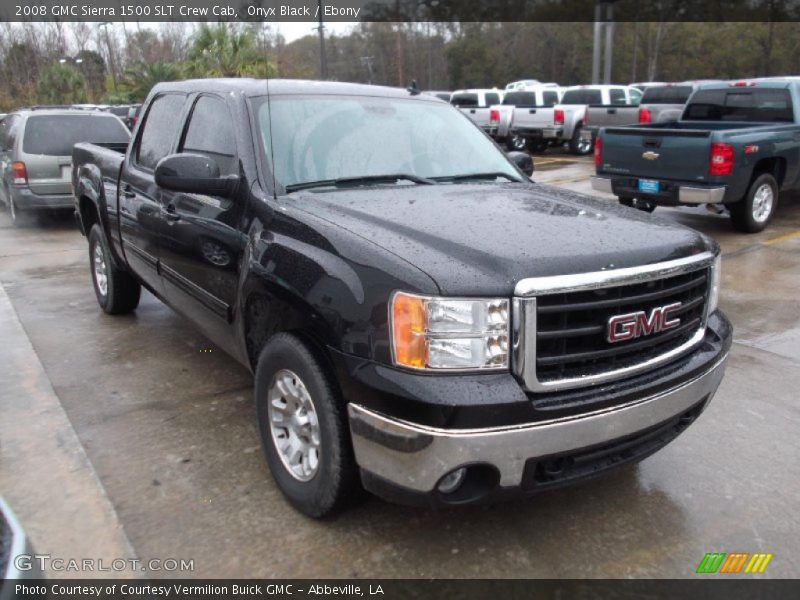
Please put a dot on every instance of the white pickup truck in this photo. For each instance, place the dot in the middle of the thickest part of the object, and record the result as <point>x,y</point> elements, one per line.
<point>563,122</point>
<point>475,104</point>
<point>531,99</point>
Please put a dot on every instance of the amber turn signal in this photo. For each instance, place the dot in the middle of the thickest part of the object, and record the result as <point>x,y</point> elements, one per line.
<point>408,330</point>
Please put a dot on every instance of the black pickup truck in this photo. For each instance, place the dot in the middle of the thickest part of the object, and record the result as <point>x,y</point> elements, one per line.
<point>421,319</point>
<point>737,144</point>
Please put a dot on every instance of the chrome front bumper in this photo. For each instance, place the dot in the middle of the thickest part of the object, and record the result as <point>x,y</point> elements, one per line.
<point>686,194</point>
<point>416,457</point>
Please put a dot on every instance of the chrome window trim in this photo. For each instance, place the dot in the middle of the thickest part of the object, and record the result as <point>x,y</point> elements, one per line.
<point>523,322</point>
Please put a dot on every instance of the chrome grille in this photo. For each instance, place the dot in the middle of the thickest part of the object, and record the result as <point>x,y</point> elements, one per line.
<point>561,325</point>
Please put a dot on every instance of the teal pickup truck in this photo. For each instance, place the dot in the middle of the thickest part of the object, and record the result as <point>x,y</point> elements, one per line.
<point>737,144</point>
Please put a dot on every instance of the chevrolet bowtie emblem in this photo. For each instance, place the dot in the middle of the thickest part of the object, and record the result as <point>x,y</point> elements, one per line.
<point>650,155</point>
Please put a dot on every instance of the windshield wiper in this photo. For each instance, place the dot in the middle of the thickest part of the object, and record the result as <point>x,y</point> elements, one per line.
<point>477,177</point>
<point>356,181</point>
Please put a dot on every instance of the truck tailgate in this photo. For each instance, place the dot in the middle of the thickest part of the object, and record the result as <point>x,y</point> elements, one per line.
<point>611,116</point>
<point>532,117</point>
<point>679,154</point>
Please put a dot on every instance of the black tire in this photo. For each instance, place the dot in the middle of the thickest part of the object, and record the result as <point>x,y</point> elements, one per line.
<point>750,215</point>
<point>335,481</point>
<point>642,205</point>
<point>537,146</point>
<point>577,146</point>
<point>122,291</point>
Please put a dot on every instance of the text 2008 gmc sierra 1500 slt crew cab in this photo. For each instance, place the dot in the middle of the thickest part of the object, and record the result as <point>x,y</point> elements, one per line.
<point>736,144</point>
<point>420,317</point>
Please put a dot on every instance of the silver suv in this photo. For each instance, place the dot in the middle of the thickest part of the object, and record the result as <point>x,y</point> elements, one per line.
<point>36,154</point>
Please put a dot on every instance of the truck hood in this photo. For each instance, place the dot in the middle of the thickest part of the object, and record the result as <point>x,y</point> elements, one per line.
<point>480,239</point>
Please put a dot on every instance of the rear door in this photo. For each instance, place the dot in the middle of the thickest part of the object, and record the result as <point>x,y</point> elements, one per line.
<point>140,209</point>
<point>47,142</point>
<point>202,244</point>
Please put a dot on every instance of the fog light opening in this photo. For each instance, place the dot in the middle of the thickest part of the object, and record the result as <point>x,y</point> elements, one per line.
<point>452,481</point>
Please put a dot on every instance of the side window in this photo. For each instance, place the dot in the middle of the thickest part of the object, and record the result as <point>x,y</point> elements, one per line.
<point>8,133</point>
<point>550,98</point>
<point>492,99</point>
<point>160,128</point>
<point>617,96</point>
<point>210,133</point>
<point>636,96</point>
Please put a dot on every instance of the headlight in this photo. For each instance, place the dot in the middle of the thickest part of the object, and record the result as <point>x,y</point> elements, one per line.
<point>445,333</point>
<point>713,288</point>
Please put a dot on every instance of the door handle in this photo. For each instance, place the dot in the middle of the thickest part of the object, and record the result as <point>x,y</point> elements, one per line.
<point>171,214</point>
<point>612,111</point>
<point>532,111</point>
<point>128,192</point>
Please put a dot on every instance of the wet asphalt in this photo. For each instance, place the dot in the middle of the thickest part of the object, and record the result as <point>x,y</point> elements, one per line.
<point>167,423</point>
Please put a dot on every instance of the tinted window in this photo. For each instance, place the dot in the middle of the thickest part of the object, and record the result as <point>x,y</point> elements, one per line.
<point>160,130</point>
<point>466,100</point>
<point>210,133</point>
<point>492,99</point>
<point>54,135</point>
<point>582,97</point>
<point>669,94</point>
<point>636,96</point>
<point>765,105</point>
<point>550,98</point>
<point>617,96</point>
<point>520,99</point>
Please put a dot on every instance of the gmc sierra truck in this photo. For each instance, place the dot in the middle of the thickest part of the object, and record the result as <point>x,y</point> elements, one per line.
<point>502,115</point>
<point>737,144</point>
<point>420,317</point>
<point>564,122</point>
<point>475,105</point>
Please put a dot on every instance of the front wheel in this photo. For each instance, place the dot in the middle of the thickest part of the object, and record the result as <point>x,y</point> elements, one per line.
<point>754,212</point>
<point>579,145</point>
<point>643,205</point>
<point>116,290</point>
<point>304,428</point>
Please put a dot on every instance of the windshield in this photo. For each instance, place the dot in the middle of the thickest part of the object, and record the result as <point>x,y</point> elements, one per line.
<point>55,135</point>
<point>319,138</point>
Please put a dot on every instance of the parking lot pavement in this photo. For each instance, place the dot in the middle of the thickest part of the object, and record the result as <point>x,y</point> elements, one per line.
<point>168,424</point>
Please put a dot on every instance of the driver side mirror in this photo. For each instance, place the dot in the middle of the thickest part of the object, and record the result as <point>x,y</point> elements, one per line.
<point>194,174</point>
<point>523,161</point>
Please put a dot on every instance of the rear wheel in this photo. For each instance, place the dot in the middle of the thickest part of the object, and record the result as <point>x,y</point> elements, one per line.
<point>116,290</point>
<point>304,428</point>
<point>639,204</point>
<point>754,212</point>
<point>579,145</point>
<point>517,143</point>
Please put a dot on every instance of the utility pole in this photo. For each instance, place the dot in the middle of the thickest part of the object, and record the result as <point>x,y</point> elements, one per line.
<point>367,60</point>
<point>323,63</point>
<point>603,25</point>
<point>111,62</point>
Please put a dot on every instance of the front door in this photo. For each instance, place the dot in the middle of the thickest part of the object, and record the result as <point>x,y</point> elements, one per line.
<point>202,244</point>
<point>140,210</point>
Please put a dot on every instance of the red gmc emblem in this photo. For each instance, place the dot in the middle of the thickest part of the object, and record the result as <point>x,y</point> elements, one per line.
<point>636,324</point>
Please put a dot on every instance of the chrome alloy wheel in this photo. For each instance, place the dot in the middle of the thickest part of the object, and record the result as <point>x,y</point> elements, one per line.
<point>763,200</point>
<point>100,270</point>
<point>294,425</point>
<point>584,145</point>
